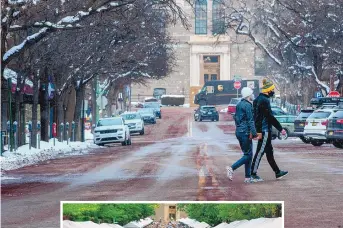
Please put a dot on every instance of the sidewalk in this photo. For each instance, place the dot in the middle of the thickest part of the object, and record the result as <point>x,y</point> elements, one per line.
<point>24,156</point>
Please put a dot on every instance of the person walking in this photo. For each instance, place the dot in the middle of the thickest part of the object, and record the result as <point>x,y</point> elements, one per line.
<point>245,131</point>
<point>264,120</point>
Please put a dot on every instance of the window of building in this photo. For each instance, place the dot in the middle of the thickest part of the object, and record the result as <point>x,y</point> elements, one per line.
<point>210,59</point>
<point>206,77</point>
<point>201,17</point>
<point>218,17</point>
<point>213,77</point>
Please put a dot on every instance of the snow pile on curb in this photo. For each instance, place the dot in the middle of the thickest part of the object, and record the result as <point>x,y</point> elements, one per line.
<point>186,105</point>
<point>24,156</point>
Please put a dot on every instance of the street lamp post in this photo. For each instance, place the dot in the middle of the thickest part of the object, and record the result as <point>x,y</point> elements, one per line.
<point>10,112</point>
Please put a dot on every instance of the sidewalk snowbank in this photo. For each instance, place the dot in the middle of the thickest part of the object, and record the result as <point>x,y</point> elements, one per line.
<point>24,157</point>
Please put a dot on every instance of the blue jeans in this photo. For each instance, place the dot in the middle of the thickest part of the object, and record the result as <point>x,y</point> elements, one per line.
<point>246,146</point>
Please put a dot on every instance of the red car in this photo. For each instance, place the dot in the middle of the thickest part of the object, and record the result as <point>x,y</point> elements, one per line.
<point>231,109</point>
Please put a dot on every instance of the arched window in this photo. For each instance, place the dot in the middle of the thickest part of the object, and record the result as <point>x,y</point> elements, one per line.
<point>201,17</point>
<point>218,17</point>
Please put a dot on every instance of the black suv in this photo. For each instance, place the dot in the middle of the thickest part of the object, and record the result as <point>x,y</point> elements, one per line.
<point>299,124</point>
<point>334,131</point>
<point>206,112</point>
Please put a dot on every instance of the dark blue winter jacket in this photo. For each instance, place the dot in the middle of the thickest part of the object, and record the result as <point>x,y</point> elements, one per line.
<point>244,118</point>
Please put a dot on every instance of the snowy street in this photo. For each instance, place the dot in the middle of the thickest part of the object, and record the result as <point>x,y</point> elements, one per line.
<point>178,159</point>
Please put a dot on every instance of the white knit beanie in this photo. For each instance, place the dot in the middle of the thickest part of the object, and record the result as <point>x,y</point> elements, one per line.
<point>246,92</point>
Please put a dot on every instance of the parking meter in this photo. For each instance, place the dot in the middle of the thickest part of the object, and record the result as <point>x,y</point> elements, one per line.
<point>61,132</point>
<point>67,127</point>
<point>30,134</point>
<point>38,134</point>
<point>30,126</point>
<point>73,130</point>
<point>54,131</point>
<point>8,126</point>
<point>15,125</point>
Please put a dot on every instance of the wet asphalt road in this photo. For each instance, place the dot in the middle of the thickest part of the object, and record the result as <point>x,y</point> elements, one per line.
<point>179,160</point>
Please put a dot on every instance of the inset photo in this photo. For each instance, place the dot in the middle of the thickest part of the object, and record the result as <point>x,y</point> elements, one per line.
<point>172,215</point>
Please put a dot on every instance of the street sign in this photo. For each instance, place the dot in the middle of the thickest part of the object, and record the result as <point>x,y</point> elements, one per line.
<point>237,85</point>
<point>101,102</point>
<point>333,94</point>
<point>237,78</point>
<point>319,94</point>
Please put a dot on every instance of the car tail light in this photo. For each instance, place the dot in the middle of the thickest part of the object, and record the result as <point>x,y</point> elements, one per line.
<point>325,122</point>
<point>340,121</point>
<point>306,123</point>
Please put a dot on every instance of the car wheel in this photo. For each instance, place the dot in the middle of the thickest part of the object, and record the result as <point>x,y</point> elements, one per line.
<point>305,140</point>
<point>317,143</point>
<point>142,132</point>
<point>283,137</point>
<point>200,119</point>
<point>129,141</point>
<point>100,144</point>
<point>338,145</point>
<point>217,118</point>
<point>212,119</point>
<point>123,143</point>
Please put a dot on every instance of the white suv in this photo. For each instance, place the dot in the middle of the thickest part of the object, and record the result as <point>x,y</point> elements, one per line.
<point>112,130</point>
<point>316,125</point>
<point>134,121</point>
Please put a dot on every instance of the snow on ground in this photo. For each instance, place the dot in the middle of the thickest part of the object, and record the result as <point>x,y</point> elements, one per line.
<point>186,105</point>
<point>24,156</point>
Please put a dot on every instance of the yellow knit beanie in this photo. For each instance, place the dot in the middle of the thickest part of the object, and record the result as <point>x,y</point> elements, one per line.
<point>267,86</point>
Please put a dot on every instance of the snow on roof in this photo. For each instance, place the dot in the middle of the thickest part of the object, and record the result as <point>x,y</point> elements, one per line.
<point>193,223</point>
<point>179,96</point>
<point>8,73</point>
<point>256,223</point>
<point>88,224</point>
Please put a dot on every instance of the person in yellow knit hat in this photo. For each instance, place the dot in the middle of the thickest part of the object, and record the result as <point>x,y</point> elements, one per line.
<point>264,120</point>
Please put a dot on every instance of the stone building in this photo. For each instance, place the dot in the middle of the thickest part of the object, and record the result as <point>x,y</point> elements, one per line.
<point>168,212</point>
<point>205,52</point>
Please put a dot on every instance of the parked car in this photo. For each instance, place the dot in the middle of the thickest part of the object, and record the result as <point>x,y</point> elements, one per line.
<point>231,108</point>
<point>134,121</point>
<point>156,106</point>
<point>277,111</point>
<point>148,115</point>
<point>335,129</point>
<point>112,130</point>
<point>206,112</point>
<point>299,124</point>
<point>287,123</point>
<point>316,126</point>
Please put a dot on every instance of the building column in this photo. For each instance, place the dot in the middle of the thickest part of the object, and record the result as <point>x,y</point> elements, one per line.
<point>225,66</point>
<point>194,70</point>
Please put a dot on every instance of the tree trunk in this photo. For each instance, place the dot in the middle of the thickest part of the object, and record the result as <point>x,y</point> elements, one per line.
<point>94,104</point>
<point>35,109</point>
<point>44,108</point>
<point>78,107</point>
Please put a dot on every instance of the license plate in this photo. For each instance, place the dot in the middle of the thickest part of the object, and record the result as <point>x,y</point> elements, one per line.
<point>314,124</point>
<point>301,125</point>
<point>210,113</point>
